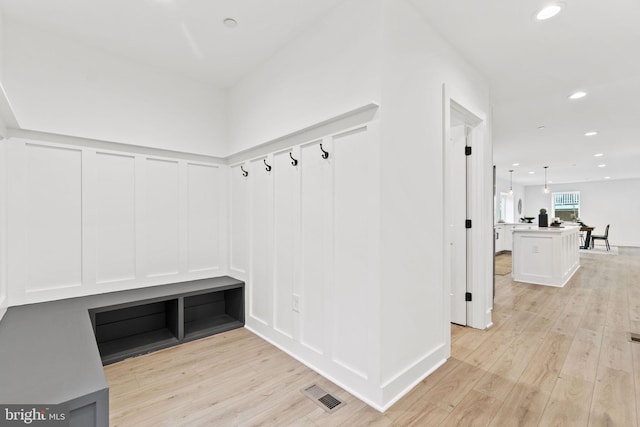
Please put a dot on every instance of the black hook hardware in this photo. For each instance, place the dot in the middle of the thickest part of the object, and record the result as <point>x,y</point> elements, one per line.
<point>244,172</point>
<point>325,154</point>
<point>294,162</point>
<point>265,163</point>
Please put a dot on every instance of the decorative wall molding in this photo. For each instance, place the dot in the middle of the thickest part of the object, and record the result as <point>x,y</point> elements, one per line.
<point>330,126</point>
<point>97,144</point>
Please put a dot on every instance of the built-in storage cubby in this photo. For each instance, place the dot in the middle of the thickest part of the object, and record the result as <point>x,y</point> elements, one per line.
<point>136,329</point>
<point>213,312</point>
<point>139,327</point>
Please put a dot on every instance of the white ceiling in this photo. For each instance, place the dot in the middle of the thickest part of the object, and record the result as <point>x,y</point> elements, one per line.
<point>185,36</point>
<point>532,67</point>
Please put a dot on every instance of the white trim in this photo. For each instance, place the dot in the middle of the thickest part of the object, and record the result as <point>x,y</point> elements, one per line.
<point>317,131</point>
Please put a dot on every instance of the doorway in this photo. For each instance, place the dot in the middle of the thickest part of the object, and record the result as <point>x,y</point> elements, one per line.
<point>458,211</point>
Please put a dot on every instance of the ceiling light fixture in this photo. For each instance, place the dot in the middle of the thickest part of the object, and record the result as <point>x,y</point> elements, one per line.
<point>592,133</point>
<point>516,164</point>
<point>578,95</point>
<point>602,166</point>
<point>230,23</point>
<point>598,155</point>
<point>546,188</point>
<point>511,181</point>
<point>549,11</point>
<point>607,177</point>
<point>531,172</point>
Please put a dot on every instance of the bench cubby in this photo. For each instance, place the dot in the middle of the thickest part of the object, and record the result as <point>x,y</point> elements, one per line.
<point>134,328</point>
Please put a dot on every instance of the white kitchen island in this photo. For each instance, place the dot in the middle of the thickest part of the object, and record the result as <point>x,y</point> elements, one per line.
<point>545,255</point>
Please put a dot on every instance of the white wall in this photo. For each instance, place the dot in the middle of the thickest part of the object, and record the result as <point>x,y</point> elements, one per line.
<point>84,221</point>
<point>502,186</point>
<point>4,289</point>
<point>59,85</point>
<point>414,318</point>
<point>1,45</point>
<point>310,233</point>
<point>613,202</point>
<point>328,70</point>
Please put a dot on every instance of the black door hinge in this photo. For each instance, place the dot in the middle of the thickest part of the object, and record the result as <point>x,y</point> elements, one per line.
<point>467,223</point>
<point>467,151</point>
<point>467,296</point>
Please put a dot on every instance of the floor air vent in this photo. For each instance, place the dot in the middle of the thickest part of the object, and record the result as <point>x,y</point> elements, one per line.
<point>323,399</point>
<point>634,337</point>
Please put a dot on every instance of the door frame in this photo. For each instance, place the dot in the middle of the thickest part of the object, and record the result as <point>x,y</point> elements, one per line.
<point>480,238</point>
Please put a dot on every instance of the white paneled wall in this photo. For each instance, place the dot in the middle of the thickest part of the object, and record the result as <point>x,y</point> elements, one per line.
<point>4,295</point>
<point>204,205</point>
<point>83,220</point>
<point>53,234</point>
<point>162,210</point>
<point>115,220</point>
<point>286,199</point>
<point>305,236</point>
<point>261,243</point>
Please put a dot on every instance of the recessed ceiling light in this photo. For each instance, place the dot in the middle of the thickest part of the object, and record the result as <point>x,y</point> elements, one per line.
<point>516,164</point>
<point>550,182</point>
<point>598,155</point>
<point>607,177</point>
<point>602,166</point>
<point>531,172</point>
<point>592,133</point>
<point>230,23</point>
<point>578,95</point>
<point>549,11</point>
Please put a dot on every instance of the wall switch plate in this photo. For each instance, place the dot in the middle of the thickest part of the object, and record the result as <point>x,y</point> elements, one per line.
<point>296,303</point>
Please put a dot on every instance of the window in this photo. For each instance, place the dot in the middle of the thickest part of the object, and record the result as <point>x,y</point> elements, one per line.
<point>566,205</point>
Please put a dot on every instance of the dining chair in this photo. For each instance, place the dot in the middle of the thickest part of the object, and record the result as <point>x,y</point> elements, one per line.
<point>604,237</point>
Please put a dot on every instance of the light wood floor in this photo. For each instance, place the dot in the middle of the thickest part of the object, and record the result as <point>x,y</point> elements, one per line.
<point>555,357</point>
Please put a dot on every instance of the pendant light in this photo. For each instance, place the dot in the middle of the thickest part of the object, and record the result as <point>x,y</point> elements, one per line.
<point>546,188</point>
<point>510,181</point>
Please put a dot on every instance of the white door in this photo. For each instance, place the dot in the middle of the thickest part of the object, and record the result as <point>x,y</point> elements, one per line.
<point>457,189</point>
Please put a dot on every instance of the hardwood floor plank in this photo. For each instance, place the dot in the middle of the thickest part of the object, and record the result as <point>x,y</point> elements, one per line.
<point>569,403</point>
<point>582,360</point>
<point>523,407</point>
<point>477,409</point>
<point>612,405</point>
<point>544,368</point>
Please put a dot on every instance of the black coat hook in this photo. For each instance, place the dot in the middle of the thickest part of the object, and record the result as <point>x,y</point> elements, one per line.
<point>244,172</point>
<point>265,163</point>
<point>294,162</point>
<point>325,154</point>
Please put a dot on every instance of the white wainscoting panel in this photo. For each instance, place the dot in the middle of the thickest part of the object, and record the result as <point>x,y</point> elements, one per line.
<point>286,236</point>
<point>203,206</point>
<point>4,290</point>
<point>353,198</point>
<point>53,217</point>
<point>239,221</point>
<point>261,208</point>
<point>162,217</point>
<point>316,232</point>
<point>115,218</point>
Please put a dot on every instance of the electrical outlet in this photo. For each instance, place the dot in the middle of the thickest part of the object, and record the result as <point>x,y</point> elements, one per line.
<point>296,303</point>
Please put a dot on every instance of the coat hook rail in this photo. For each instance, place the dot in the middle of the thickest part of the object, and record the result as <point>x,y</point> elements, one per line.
<point>325,154</point>
<point>268,166</point>
<point>294,162</point>
<point>244,172</point>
